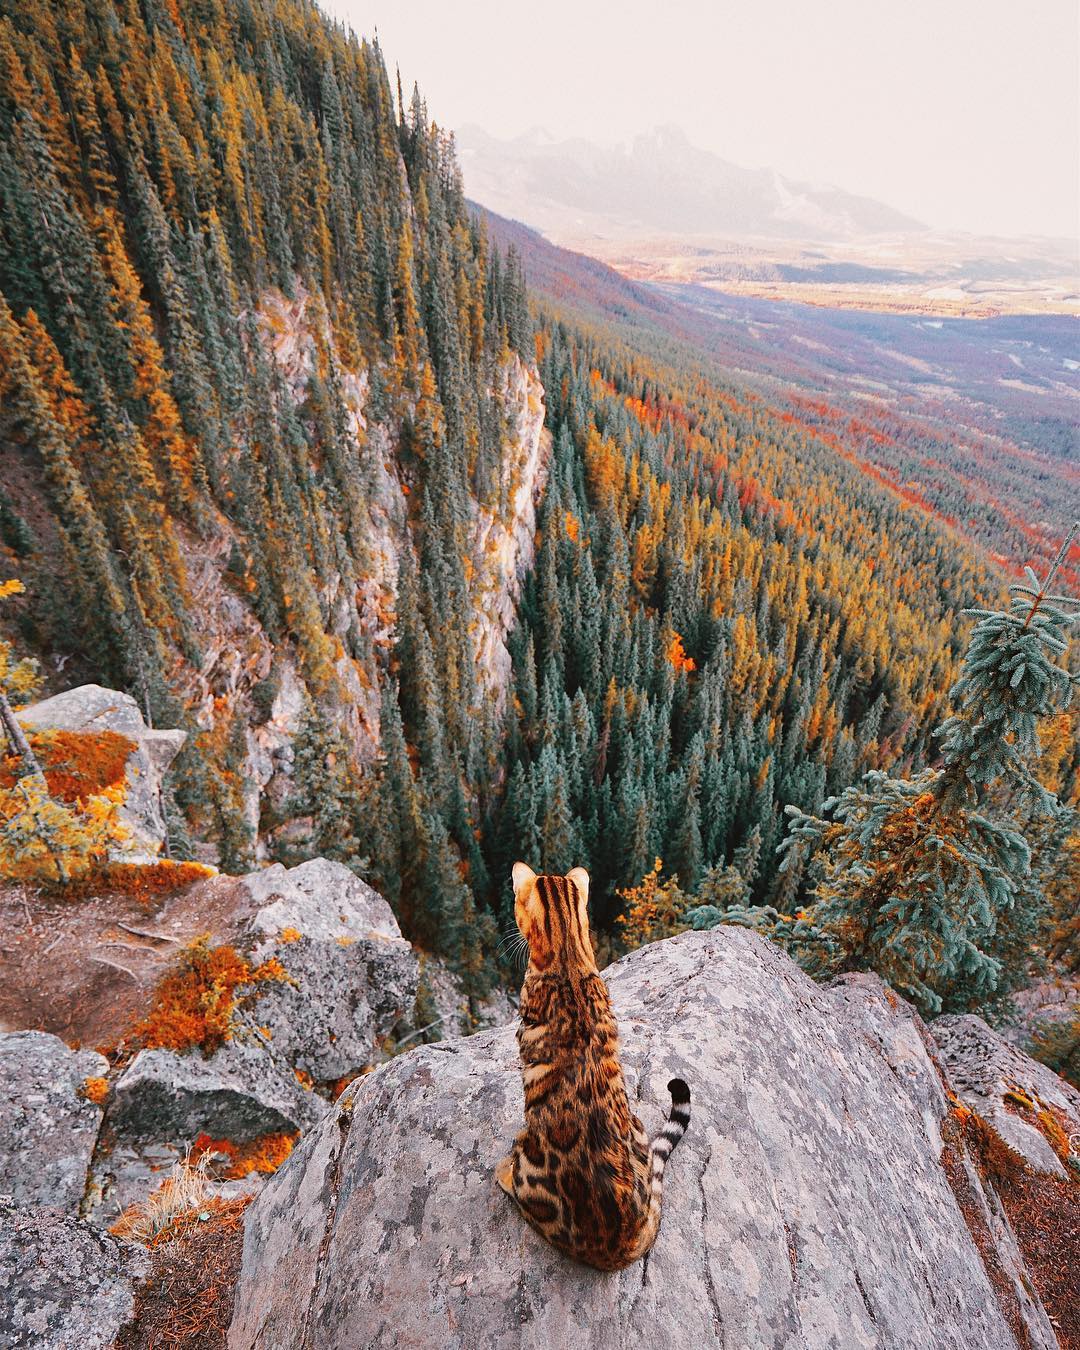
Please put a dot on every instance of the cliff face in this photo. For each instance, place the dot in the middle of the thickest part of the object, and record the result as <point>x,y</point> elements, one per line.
<point>238,653</point>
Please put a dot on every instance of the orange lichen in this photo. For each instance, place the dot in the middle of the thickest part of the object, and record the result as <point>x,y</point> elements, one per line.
<point>194,1004</point>
<point>290,935</point>
<point>95,1090</point>
<point>304,1079</point>
<point>76,764</point>
<point>265,1154</point>
<point>146,883</point>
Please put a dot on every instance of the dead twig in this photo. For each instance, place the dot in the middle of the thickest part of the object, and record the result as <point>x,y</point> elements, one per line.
<point>104,961</point>
<point>145,933</point>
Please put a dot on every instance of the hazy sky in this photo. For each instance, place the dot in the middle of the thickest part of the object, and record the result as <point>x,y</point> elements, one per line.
<point>964,113</point>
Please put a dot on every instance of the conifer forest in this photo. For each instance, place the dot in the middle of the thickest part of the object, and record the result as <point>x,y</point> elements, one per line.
<point>441,564</point>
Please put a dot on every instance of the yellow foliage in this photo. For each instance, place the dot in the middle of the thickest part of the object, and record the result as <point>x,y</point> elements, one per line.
<point>19,680</point>
<point>654,908</point>
<point>42,839</point>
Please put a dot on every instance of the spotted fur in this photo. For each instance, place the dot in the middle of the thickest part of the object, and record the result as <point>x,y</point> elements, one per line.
<point>583,1172</point>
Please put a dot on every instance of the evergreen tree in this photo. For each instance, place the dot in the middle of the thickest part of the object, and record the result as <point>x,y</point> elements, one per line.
<point>927,880</point>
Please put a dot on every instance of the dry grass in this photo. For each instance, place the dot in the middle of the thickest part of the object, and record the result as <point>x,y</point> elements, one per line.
<point>184,1191</point>
<point>188,1299</point>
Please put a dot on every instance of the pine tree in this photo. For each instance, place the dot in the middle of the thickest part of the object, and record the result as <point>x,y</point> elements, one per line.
<point>928,880</point>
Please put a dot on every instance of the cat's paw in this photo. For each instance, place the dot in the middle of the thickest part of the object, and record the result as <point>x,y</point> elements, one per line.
<point>504,1174</point>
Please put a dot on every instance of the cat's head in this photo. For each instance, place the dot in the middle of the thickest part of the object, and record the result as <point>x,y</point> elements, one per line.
<point>552,914</point>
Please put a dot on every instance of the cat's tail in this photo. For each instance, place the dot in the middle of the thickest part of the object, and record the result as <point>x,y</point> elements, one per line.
<point>664,1143</point>
<point>660,1151</point>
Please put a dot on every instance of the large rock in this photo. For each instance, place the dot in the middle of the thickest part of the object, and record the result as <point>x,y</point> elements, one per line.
<point>63,1284</point>
<point>807,1205</point>
<point>239,1093</point>
<point>454,1013</point>
<point>90,707</point>
<point>48,1127</point>
<point>352,976</point>
<point>1008,1089</point>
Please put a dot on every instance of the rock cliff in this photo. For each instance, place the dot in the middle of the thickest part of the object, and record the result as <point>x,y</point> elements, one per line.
<point>826,1193</point>
<point>238,655</point>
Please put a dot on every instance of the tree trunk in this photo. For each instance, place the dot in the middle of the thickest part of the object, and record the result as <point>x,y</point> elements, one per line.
<point>17,739</point>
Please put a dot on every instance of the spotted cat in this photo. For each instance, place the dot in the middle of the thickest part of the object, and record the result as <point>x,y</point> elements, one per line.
<point>582,1172</point>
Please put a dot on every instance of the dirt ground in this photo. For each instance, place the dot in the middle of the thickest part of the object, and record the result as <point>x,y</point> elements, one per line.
<point>84,969</point>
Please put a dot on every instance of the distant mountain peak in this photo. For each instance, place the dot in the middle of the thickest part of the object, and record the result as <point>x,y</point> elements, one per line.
<point>657,182</point>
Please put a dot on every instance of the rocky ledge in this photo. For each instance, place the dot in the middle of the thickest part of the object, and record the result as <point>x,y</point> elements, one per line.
<point>828,1192</point>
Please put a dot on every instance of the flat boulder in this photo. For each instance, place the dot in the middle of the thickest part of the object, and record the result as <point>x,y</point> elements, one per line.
<point>239,1093</point>
<point>48,1124</point>
<point>807,1205</point>
<point>63,1284</point>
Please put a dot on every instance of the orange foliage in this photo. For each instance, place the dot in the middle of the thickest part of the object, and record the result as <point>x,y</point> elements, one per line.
<point>145,882</point>
<point>264,1154</point>
<point>677,656</point>
<point>95,1090</point>
<point>77,764</point>
<point>194,1004</point>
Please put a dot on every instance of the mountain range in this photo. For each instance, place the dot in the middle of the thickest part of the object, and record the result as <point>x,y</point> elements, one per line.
<point>657,182</point>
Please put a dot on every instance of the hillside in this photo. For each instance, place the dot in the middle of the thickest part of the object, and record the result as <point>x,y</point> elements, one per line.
<point>262,366</point>
<point>432,580</point>
<point>975,419</point>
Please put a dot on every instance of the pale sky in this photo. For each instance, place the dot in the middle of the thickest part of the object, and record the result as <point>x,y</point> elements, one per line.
<point>963,113</point>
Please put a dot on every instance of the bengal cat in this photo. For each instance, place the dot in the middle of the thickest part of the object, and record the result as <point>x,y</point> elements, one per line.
<point>582,1171</point>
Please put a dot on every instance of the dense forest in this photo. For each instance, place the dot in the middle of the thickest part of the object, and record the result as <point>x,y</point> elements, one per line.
<point>729,619</point>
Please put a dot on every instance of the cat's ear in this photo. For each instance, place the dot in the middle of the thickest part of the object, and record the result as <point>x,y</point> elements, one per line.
<point>523,875</point>
<point>580,878</point>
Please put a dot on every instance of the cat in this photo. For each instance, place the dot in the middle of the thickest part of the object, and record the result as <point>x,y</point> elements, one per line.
<point>583,1172</point>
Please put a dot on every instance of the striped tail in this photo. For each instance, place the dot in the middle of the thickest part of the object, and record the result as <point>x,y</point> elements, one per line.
<point>660,1151</point>
<point>664,1143</point>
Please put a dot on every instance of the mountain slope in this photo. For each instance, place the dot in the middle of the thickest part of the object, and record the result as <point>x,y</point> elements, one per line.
<point>263,374</point>
<point>975,419</point>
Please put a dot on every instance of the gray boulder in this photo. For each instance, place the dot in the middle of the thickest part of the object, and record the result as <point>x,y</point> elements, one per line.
<point>63,1284</point>
<point>239,1093</point>
<point>90,707</point>
<point>994,1079</point>
<point>457,1014</point>
<point>806,1207</point>
<point>352,974</point>
<point>48,1128</point>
